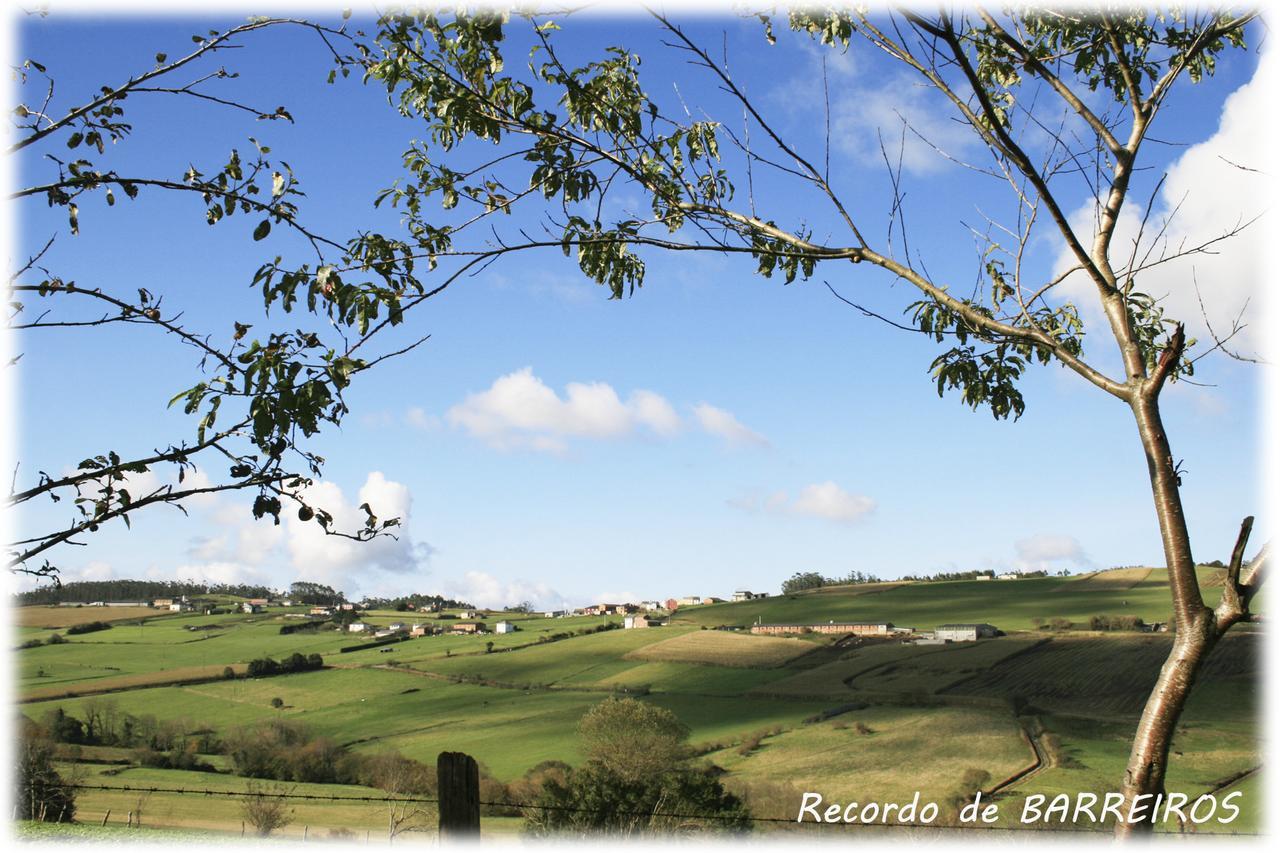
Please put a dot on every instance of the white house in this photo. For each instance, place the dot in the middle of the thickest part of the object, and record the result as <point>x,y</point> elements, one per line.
<point>357,627</point>
<point>505,627</point>
<point>555,614</point>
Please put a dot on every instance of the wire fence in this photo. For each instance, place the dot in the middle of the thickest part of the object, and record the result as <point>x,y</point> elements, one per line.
<point>398,799</point>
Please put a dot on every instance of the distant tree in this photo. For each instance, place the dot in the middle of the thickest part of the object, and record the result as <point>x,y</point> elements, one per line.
<point>62,727</point>
<point>633,738</point>
<point>266,808</point>
<point>801,581</point>
<point>405,778</point>
<point>307,592</point>
<point>42,794</point>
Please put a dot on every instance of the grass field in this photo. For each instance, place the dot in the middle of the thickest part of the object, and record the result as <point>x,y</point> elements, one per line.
<point>1118,579</point>
<point>64,617</point>
<point>721,648</point>
<point>1009,605</point>
<point>906,718</point>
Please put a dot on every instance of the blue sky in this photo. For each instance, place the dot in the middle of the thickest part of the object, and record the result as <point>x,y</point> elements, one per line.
<point>716,431</point>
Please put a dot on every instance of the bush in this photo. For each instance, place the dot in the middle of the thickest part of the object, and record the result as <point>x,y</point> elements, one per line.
<point>56,639</point>
<point>88,627</point>
<point>596,799</point>
<point>296,662</point>
<point>1116,623</point>
<point>1057,623</point>
<point>266,810</point>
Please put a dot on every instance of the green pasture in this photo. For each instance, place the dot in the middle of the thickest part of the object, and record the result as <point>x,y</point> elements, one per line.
<point>1009,605</point>
<point>933,712</point>
<point>220,811</point>
<point>906,750</point>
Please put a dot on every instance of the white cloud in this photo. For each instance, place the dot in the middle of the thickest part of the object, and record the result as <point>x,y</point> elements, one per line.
<point>339,561</point>
<point>484,590</point>
<point>418,418</point>
<point>242,548</point>
<point>829,501</point>
<point>221,571</point>
<point>825,500</point>
<point>519,410</point>
<point>1039,552</point>
<point>723,424</point>
<point>906,117</point>
<point>1204,197</point>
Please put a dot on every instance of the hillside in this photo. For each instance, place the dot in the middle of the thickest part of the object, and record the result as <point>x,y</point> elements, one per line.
<point>1009,605</point>
<point>779,716</point>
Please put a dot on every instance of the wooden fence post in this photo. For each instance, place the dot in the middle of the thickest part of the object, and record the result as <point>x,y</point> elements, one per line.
<point>458,781</point>
<point>105,816</point>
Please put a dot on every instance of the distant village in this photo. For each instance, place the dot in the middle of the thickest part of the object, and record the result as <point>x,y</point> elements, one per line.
<point>471,621</point>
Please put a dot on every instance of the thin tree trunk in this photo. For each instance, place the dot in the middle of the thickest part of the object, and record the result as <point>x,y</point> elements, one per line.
<point>1196,630</point>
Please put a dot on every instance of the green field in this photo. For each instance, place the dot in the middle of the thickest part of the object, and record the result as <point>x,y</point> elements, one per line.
<point>1009,605</point>
<point>778,716</point>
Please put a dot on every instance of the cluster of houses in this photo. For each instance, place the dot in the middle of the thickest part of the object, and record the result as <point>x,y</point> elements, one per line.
<point>951,633</point>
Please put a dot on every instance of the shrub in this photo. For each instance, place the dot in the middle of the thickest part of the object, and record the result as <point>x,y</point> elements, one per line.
<point>266,810</point>
<point>88,627</point>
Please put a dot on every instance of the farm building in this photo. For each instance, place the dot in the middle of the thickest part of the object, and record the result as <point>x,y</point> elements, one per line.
<point>651,605</point>
<point>862,629</point>
<point>555,614</point>
<point>1008,576</point>
<point>420,630</point>
<point>505,627</point>
<point>690,600</point>
<point>396,626</point>
<point>711,599</point>
<point>321,611</point>
<point>467,614</point>
<point>967,632</point>
<point>640,622</point>
<point>466,628</point>
<point>250,607</point>
<point>181,607</point>
<point>162,603</point>
<point>609,609</point>
<point>983,577</point>
<point>357,627</point>
<point>748,595</point>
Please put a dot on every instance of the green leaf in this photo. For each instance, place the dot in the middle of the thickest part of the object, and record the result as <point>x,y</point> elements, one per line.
<point>263,229</point>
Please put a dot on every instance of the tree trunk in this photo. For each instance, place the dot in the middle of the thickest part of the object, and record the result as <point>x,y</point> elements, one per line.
<point>1195,626</point>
